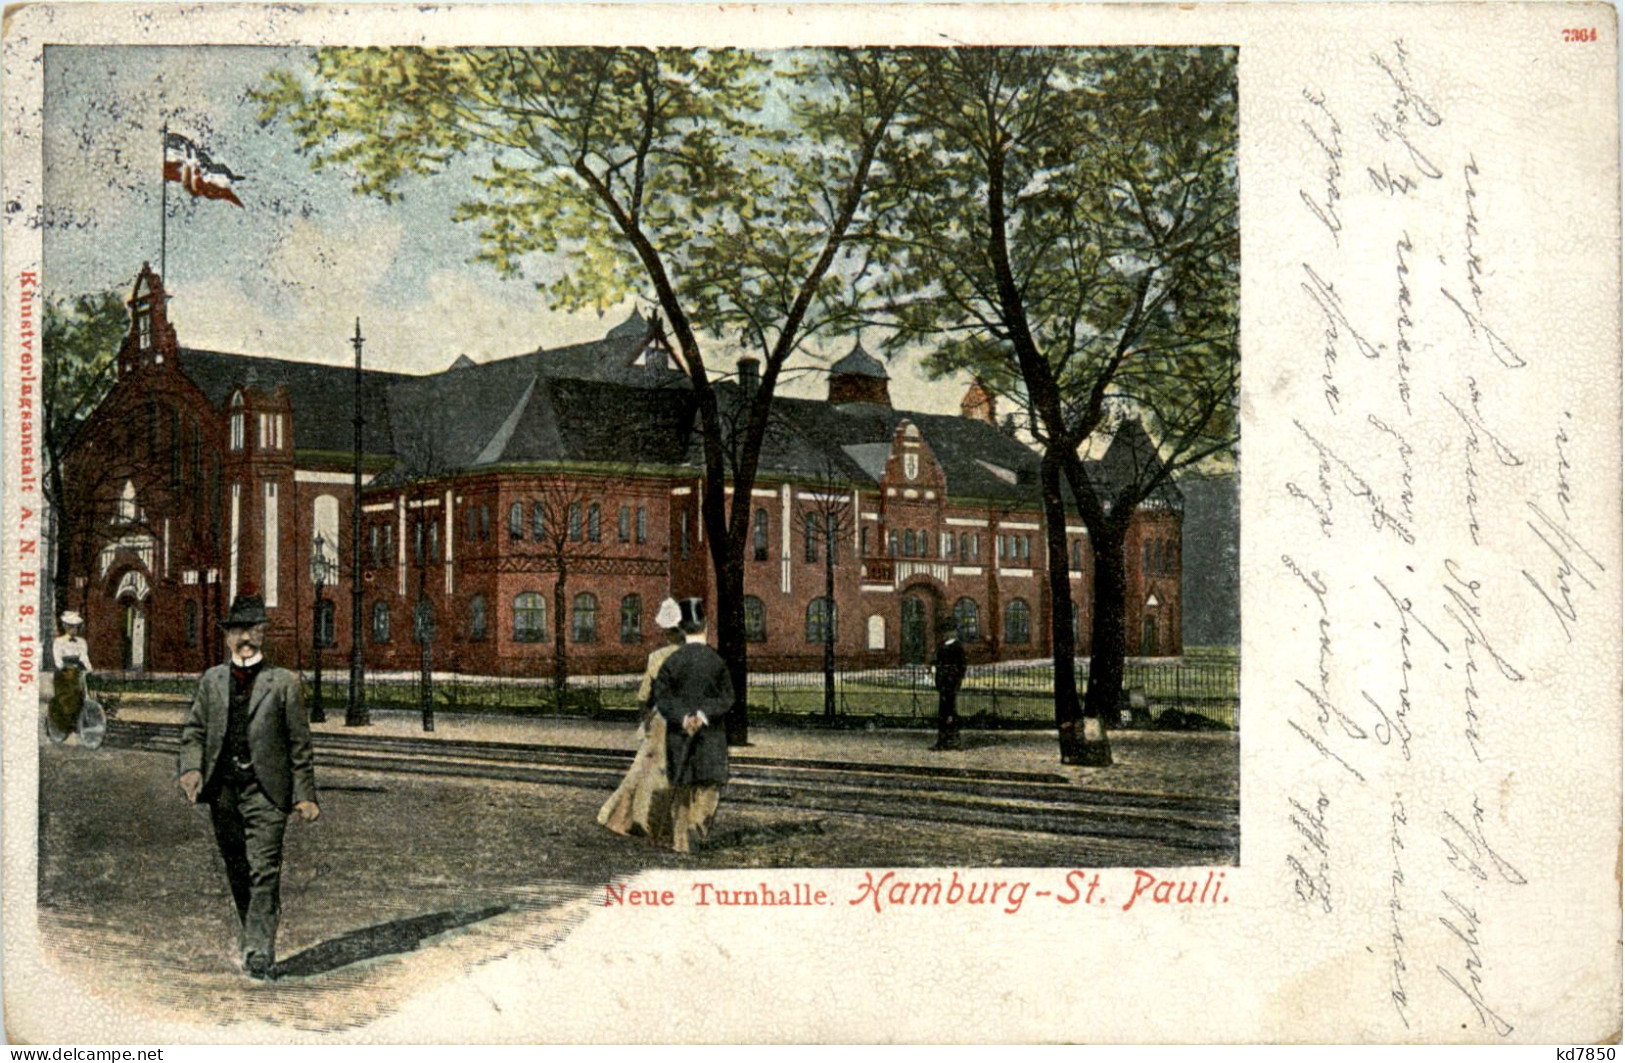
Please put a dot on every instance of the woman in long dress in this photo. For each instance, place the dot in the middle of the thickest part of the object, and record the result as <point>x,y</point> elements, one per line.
<point>642,803</point>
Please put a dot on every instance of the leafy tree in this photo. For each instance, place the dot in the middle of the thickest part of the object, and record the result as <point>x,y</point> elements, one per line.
<point>730,185</point>
<point>79,341</point>
<point>1072,240</point>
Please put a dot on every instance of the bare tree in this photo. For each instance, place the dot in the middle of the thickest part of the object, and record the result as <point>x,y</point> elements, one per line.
<point>826,520</point>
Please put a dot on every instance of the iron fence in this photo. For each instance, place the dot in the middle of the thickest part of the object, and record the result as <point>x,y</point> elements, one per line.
<point>1008,692</point>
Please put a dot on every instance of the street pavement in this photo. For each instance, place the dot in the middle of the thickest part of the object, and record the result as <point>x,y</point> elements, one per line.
<point>408,880</point>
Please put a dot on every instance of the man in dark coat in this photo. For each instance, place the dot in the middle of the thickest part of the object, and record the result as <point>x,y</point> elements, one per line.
<point>950,673</point>
<point>692,693</point>
<point>245,752</point>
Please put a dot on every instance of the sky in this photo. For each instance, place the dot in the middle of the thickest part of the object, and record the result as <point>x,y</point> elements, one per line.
<point>287,275</point>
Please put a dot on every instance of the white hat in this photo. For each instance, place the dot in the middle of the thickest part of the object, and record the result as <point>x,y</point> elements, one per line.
<point>73,619</point>
<point>670,614</point>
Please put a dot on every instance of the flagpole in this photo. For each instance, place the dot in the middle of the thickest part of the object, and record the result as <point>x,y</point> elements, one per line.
<point>163,209</point>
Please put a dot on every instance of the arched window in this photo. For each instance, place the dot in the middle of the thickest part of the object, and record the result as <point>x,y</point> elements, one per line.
<point>820,619</point>
<point>324,632</point>
<point>380,621</point>
<point>325,526</point>
<point>1017,623</point>
<point>575,522</point>
<point>595,530</point>
<point>237,421</point>
<point>968,618</point>
<point>623,527</point>
<point>584,618</point>
<point>529,617</point>
<point>758,535</point>
<point>126,504</point>
<point>755,619</point>
<point>538,522</point>
<point>516,522</point>
<point>476,618</point>
<point>632,619</point>
<point>891,544</point>
<point>908,542</point>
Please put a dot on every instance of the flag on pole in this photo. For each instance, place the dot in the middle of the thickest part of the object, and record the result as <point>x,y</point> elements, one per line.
<point>192,168</point>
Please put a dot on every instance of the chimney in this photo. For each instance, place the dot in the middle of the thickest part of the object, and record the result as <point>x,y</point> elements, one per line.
<point>750,375</point>
<point>979,404</point>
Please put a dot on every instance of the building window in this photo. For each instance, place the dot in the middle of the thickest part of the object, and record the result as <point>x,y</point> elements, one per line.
<point>1017,623</point>
<point>471,520</point>
<point>947,546</point>
<point>538,522</point>
<point>516,522</point>
<point>758,535</point>
<point>968,618</point>
<point>755,619</point>
<point>476,618</point>
<point>623,526</point>
<point>809,536</point>
<point>126,504</point>
<point>325,626</point>
<point>891,544</point>
<point>1145,557</point>
<point>237,421</point>
<point>643,525</point>
<point>863,541</point>
<point>908,542</point>
<point>191,623</point>
<point>1077,555</point>
<point>143,326</point>
<point>631,618</point>
<point>529,618</point>
<point>682,534</point>
<point>584,618</point>
<point>380,622</point>
<point>434,540</point>
<point>575,522</point>
<point>820,619</point>
<point>594,528</point>
<point>417,542</point>
<point>1003,546</point>
<point>976,546</point>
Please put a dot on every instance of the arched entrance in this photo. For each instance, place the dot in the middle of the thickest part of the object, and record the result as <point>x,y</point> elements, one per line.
<point>131,597</point>
<point>918,610</point>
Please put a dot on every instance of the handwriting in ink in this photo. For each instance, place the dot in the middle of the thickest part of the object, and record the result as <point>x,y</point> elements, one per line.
<point>1328,138</point>
<point>1571,558</point>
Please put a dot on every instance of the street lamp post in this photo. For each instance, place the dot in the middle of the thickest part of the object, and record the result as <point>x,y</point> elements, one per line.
<point>321,570</point>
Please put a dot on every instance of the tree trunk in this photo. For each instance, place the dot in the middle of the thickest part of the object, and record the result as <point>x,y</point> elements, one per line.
<point>1063,637</point>
<point>731,641</point>
<point>829,626</point>
<point>1105,697</point>
<point>560,674</point>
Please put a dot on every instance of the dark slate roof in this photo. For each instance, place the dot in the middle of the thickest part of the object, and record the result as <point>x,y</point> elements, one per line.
<point>1130,458</point>
<point>322,395</point>
<point>860,363</point>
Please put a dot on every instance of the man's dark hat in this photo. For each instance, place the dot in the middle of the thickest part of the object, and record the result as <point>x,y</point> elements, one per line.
<point>246,611</point>
<point>693,610</point>
<point>947,625</point>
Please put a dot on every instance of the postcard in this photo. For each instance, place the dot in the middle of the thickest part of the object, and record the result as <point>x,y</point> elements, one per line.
<point>937,523</point>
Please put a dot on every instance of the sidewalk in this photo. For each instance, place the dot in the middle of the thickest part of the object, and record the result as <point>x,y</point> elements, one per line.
<point>1201,764</point>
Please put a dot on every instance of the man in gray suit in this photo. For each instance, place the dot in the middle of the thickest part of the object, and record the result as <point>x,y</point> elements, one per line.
<point>245,752</point>
<point>693,692</point>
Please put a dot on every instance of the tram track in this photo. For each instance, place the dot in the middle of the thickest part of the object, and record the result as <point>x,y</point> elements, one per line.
<point>1206,828</point>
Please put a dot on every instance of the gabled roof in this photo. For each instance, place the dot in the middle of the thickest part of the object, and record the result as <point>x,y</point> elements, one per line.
<point>1131,457</point>
<point>323,396</point>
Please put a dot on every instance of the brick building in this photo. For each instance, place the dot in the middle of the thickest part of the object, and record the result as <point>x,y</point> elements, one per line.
<point>203,473</point>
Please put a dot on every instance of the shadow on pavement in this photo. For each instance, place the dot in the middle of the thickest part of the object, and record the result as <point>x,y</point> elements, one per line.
<point>385,939</point>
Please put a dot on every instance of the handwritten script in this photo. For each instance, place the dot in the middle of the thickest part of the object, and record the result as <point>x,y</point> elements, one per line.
<point>1438,565</point>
